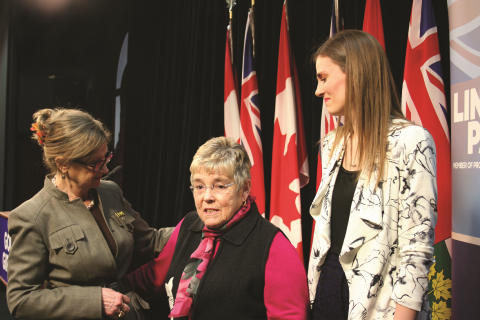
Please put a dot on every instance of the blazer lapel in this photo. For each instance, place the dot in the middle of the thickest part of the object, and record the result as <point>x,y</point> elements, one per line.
<point>321,206</point>
<point>366,218</point>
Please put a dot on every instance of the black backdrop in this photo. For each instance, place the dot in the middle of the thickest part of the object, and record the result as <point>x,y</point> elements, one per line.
<point>175,86</point>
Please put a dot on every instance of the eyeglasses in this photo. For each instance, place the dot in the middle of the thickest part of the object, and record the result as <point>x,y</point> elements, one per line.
<point>99,165</point>
<point>217,188</point>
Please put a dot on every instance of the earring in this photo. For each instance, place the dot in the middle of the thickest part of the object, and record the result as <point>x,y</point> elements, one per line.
<point>63,175</point>
<point>244,203</point>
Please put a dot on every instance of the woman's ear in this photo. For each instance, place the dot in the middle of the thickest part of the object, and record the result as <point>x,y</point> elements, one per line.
<point>247,187</point>
<point>61,166</point>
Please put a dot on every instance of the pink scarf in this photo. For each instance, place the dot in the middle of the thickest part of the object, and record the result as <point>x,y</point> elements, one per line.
<point>198,263</point>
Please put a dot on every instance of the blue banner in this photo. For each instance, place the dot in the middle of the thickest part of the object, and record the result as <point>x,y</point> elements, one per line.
<point>6,245</point>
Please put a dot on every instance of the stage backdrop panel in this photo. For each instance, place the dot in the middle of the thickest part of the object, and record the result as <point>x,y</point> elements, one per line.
<point>464,18</point>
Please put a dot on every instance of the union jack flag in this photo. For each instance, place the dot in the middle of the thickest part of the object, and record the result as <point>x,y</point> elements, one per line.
<point>423,102</point>
<point>251,129</point>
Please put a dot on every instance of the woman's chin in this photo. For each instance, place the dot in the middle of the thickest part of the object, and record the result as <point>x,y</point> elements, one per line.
<point>96,182</point>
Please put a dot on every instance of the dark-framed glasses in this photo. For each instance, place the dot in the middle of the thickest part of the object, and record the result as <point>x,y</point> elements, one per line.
<point>99,165</point>
<point>218,188</point>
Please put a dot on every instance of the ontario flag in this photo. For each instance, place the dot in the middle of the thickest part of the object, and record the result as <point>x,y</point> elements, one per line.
<point>230,100</point>
<point>424,102</point>
<point>251,129</point>
<point>289,152</point>
<point>327,122</point>
<point>372,21</point>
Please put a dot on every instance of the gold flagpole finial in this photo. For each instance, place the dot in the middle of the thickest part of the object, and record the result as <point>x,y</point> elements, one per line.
<point>230,4</point>
<point>253,3</point>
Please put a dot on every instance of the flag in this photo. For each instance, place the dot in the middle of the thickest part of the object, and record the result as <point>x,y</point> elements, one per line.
<point>424,102</point>
<point>230,101</point>
<point>327,122</point>
<point>251,129</point>
<point>440,281</point>
<point>289,152</point>
<point>372,21</point>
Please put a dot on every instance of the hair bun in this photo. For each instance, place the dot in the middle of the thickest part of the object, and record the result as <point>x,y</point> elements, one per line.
<point>40,126</point>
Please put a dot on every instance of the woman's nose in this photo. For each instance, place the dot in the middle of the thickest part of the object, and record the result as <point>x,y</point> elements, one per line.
<point>104,169</point>
<point>208,194</point>
<point>319,92</point>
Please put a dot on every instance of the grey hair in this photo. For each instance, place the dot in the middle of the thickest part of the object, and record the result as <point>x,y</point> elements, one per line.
<point>223,155</point>
<point>70,134</point>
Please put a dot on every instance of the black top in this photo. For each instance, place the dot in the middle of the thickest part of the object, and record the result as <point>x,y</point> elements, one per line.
<point>232,286</point>
<point>342,198</point>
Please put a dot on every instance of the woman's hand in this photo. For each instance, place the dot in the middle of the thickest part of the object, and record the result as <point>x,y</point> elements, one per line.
<point>114,303</point>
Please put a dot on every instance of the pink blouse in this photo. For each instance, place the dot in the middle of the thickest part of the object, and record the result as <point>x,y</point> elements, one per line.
<point>285,293</point>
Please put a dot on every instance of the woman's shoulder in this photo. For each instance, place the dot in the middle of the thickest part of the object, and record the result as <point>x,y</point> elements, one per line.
<point>329,137</point>
<point>108,186</point>
<point>32,208</point>
<point>408,132</point>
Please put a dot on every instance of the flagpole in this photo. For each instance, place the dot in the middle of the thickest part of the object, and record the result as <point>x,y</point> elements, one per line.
<point>337,16</point>
<point>230,5</point>
<point>252,25</point>
<point>286,14</point>
<point>230,39</point>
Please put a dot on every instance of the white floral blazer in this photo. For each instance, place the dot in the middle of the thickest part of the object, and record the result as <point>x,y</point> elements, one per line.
<point>387,250</point>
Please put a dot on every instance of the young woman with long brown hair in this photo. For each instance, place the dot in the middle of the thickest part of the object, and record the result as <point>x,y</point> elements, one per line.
<point>375,209</point>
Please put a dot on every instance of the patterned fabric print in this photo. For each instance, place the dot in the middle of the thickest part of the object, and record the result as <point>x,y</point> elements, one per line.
<point>198,263</point>
<point>387,250</point>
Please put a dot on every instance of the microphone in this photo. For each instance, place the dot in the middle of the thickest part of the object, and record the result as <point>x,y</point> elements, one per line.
<point>113,172</point>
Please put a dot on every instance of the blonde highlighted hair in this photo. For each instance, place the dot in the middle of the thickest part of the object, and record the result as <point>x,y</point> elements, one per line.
<point>70,134</point>
<point>225,156</point>
<point>371,101</point>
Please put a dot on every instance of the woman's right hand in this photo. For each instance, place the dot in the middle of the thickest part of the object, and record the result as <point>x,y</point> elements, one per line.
<point>114,303</point>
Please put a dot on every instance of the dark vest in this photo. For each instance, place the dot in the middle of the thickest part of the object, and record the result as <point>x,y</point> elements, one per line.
<point>232,286</point>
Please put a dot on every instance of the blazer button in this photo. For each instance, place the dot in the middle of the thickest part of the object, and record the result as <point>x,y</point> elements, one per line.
<point>129,227</point>
<point>70,247</point>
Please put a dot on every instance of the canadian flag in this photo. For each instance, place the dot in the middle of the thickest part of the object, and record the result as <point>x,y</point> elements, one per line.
<point>289,156</point>
<point>372,21</point>
<point>230,104</point>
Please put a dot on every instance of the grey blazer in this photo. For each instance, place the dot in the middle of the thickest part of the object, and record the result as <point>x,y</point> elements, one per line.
<point>60,258</point>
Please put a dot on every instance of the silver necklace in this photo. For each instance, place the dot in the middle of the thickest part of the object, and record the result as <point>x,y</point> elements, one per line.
<point>92,201</point>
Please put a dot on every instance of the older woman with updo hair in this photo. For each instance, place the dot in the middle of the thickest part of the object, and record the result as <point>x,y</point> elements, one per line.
<point>74,241</point>
<point>224,261</point>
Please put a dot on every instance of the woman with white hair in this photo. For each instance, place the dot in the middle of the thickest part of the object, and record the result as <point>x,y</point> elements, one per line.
<point>224,261</point>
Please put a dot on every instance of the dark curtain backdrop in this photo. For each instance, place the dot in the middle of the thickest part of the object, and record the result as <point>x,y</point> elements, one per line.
<point>175,86</point>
